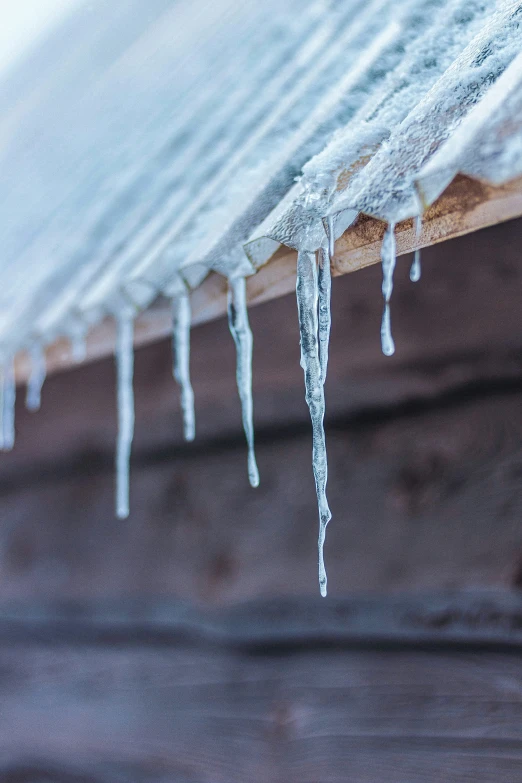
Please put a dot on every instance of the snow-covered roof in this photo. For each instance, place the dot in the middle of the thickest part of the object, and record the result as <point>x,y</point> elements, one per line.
<point>145,144</point>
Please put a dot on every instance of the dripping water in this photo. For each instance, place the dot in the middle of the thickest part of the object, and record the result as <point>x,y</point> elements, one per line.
<point>125,399</point>
<point>181,319</point>
<point>324,309</point>
<point>307,291</point>
<point>240,330</point>
<point>415,270</point>
<point>388,257</point>
<point>7,406</point>
<point>36,378</point>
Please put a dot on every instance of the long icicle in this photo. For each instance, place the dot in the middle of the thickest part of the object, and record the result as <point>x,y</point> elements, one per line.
<point>240,330</point>
<point>181,319</point>
<point>415,269</point>
<point>324,309</point>
<point>388,257</point>
<point>125,398</point>
<point>307,291</point>
<point>36,380</point>
<point>8,405</point>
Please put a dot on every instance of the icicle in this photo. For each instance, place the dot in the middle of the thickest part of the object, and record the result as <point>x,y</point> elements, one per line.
<point>7,407</point>
<point>78,337</point>
<point>240,330</point>
<point>307,291</point>
<point>125,369</point>
<point>324,312</point>
<point>415,271</point>
<point>79,347</point>
<point>181,318</point>
<point>36,378</point>
<point>330,223</point>
<point>388,256</point>
<point>2,405</point>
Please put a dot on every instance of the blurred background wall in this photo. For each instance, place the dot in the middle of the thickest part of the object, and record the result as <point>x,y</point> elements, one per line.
<point>127,651</point>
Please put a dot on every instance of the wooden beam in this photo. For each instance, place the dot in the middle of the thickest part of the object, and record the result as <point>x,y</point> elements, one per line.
<point>451,619</point>
<point>119,696</point>
<point>466,206</point>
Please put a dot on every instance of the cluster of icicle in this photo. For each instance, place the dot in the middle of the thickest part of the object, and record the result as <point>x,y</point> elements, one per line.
<point>181,322</point>
<point>313,290</point>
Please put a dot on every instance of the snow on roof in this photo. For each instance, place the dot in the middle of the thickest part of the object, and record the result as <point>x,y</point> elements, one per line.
<point>145,144</point>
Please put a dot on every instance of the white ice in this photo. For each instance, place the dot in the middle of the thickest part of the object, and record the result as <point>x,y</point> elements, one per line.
<point>415,271</point>
<point>307,291</point>
<point>240,329</point>
<point>36,378</point>
<point>8,389</point>
<point>181,318</point>
<point>388,257</point>
<point>125,400</point>
<point>324,282</point>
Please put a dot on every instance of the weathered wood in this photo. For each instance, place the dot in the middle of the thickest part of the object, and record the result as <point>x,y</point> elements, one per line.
<point>458,620</point>
<point>423,496</point>
<point>171,711</point>
<point>425,464</point>
<point>466,206</point>
<point>424,453</point>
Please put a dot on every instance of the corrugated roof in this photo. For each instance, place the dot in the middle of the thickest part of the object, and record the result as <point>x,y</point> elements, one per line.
<point>166,138</point>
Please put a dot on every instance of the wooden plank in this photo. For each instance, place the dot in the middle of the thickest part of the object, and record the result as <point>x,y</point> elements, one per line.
<point>466,206</point>
<point>423,496</point>
<point>424,479</point>
<point>473,619</point>
<point>159,710</point>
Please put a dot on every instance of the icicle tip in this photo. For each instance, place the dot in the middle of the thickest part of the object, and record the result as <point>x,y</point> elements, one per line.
<point>253,473</point>
<point>122,513</point>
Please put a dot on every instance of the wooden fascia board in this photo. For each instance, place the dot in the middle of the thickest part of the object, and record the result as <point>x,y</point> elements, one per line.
<point>466,206</point>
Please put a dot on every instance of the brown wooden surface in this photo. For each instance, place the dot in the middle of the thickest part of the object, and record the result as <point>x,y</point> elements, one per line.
<point>474,619</point>
<point>424,451</point>
<point>126,649</point>
<point>136,706</point>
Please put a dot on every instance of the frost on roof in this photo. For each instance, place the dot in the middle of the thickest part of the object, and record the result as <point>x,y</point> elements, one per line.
<point>424,54</point>
<point>181,138</point>
<point>385,187</point>
<point>487,145</point>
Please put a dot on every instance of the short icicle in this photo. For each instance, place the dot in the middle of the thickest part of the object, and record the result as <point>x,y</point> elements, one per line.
<point>78,337</point>
<point>181,319</point>
<point>7,434</point>
<point>324,309</point>
<point>79,347</point>
<point>125,399</point>
<point>388,258</point>
<point>36,380</point>
<point>330,228</point>
<point>307,291</point>
<point>415,270</point>
<point>242,334</point>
